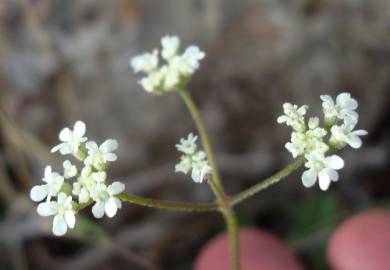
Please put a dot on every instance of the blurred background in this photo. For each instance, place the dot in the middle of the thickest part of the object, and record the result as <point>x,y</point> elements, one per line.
<point>62,61</point>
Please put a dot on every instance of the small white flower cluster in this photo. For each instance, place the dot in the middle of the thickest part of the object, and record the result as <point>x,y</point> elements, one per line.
<point>172,74</point>
<point>309,140</point>
<point>89,183</point>
<point>192,159</point>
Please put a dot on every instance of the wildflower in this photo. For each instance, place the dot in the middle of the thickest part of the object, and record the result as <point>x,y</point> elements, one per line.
<point>200,170</point>
<point>70,170</point>
<point>53,185</point>
<point>71,139</point>
<point>322,167</point>
<point>99,155</point>
<point>105,199</point>
<point>146,62</point>
<point>192,159</point>
<point>188,145</point>
<point>308,141</point>
<point>170,46</point>
<point>62,209</point>
<point>344,108</point>
<point>293,116</point>
<point>174,72</point>
<point>344,134</point>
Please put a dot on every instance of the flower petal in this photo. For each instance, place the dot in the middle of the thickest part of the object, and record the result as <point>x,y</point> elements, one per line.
<point>109,145</point>
<point>38,193</point>
<point>70,218</point>
<point>79,128</point>
<point>345,100</point>
<point>110,157</point>
<point>59,225</point>
<point>115,188</point>
<point>354,141</point>
<point>309,178</point>
<point>98,210</point>
<point>324,180</point>
<point>65,135</point>
<point>111,206</point>
<point>91,145</point>
<point>47,209</point>
<point>334,162</point>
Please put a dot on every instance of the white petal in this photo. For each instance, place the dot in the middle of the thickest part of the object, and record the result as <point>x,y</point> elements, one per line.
<point>91,145</point>
<point>345,100</point>
<point>115,188</point>
<point>111,206</point>
<point>110,157</point>
<point>47,209</point>
<point>354,141</point>
<point>327,99</point>
<point>59,225</point>
<point>360,132</point>
<point>64,135</point>
<point>309,178</point>
<point>332,174</point>
<point>98,210</point>
<point>38,193</point>
<point>56,148</point>
<point>109,145</point>
<point>334,162</point>
<point>65,149</point>
<point>70,218</point>
<point>61,198</point>
<point>79,129</point>
<point>324,180</point>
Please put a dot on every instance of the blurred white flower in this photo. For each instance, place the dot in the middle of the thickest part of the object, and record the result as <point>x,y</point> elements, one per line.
<point>176,70</point>
<point>293,116</point>
<point>105,199</point>
<point>99,155</point>
<point>146,62</point>
<point>322,167</point>
<point>185,165</point>
<point>71,139</point>
<point>70,170</point>
<point>192,159</point>
<point>187,145</point>
<point>200,170</point>
<point>345,134</point>
<point>170,45</point>
<point>344,108</point>
<point>53,185</point>
<point>62,209</point>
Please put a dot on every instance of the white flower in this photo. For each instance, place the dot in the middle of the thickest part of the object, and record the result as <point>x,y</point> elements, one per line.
<point>188,145</point>
<point>71,139</point>
<point>176,70</point>
<point>185,165</point>
<point>99,155</point>
<point>53,185</point>
<point>70,170</point>
<point>152,83</point>
<point>344,108</point>
<point>187,63</point>
<point>64,215</point>
<point>344,134</point>
<point>200,170</point>
<point>308,141</point>
<point>293,116</point>
<point>105,199</point>
<point>322,167</point>
<point>146,62</point>
<point>170,45</point>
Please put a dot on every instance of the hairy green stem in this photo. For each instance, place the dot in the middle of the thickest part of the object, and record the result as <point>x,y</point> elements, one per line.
<point>179,206</point>
<point>268,182</point>
<point>232,229</point>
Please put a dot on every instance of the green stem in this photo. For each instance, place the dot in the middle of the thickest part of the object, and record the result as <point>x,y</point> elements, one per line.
<point>179,206</point>
<point>215,182</point>
<point>268,182</point>
<point>232,229</point>
<point>216,185</point>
